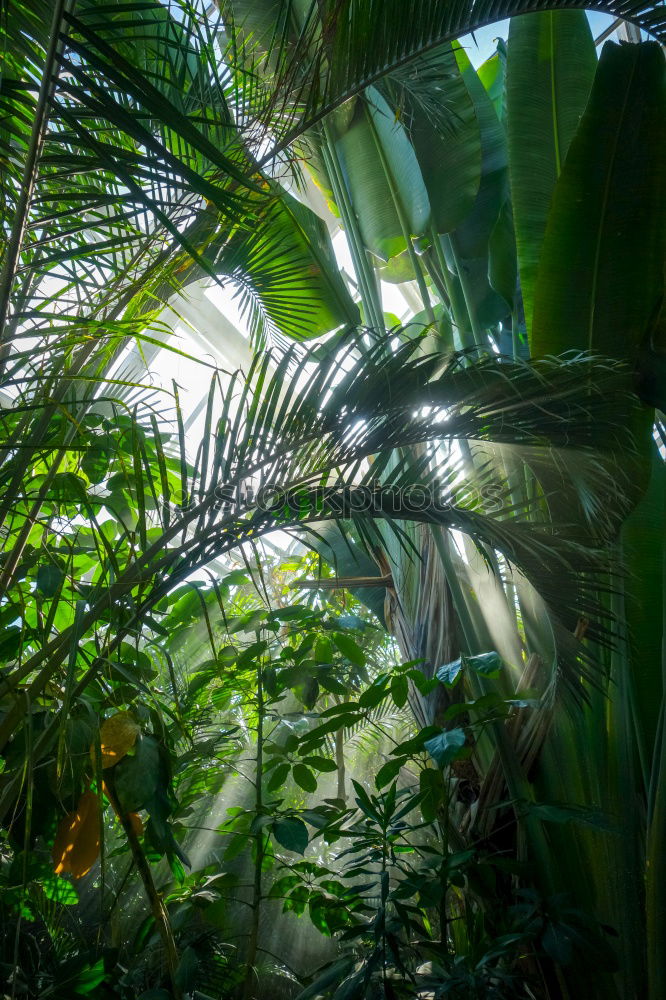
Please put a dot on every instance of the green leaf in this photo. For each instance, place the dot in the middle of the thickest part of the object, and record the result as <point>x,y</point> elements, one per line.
<point>424,684</point>
<point>349,648</point>
<point>292,834</point>
<point>226,656</point>
<point>550,812</point>
<point>449,155</point>
<point>502,263</point>
<point>10,643</point>
<point>450,673</point>
<point>323,650</point>
<point>253,621</point>
<point>607,222</point>
<point>49,579</point>
<point>373,695</point>
<point>287,274</point>
<point>89,978</point>
<point>188,966</point>
<point>304,777</point>
<point>446,747</point>
<point>492,74</point>
<point>136,776</point>
<point>473,233</point>
<point>485,664</point>
<point>278,776</point>
<point>432,792</point>
<point>95,460</point>
<point>557,943</point>
<point>333,975</point>
<point>60,890</point>
<point>399,690</point>
<point>321,763</point>
<point>388,771</point>
<point>374,126</point>
<point>237,578</point>
<point>67,486</point>
<point>551,63</point>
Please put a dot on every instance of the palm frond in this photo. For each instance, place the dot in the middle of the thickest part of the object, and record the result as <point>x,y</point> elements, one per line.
<point>306,431</point>
<point>320,61</point>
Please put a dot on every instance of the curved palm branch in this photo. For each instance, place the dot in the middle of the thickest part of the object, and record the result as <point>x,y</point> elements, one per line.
<point>304,435</point>
<point>325,58</point>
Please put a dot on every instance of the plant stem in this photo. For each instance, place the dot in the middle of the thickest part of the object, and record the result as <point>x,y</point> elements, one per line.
<point>364,271</point>
<point>464,338</point>
<point>477,330</point>
<point>340,761</point>
<point>156,904</point>
<point>253,944</point>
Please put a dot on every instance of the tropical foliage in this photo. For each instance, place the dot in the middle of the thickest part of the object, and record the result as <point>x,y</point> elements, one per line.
<point>432,730</point>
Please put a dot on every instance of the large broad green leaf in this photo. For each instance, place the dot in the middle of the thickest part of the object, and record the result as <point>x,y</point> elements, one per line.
<point>446,746</point>
<point>445,133</point>
<point>502,265</point>
<point>470,242</point>
<point>135,778</point>
<point>550,68</point>
<point>291,833</point>
<point>492,74</point>
<point>600,277</point>
<point>383,177</point>
<point>473,233</point>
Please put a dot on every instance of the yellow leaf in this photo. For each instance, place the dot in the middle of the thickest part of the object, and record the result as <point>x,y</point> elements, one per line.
<point>117,735</point>
<point>76,844</point>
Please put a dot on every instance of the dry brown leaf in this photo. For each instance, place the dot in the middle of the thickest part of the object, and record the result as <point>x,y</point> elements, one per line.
<point>117,735</point>
<point>76,845</point>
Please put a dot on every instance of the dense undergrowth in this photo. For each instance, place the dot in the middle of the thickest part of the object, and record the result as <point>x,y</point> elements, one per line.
<point>264,764</point>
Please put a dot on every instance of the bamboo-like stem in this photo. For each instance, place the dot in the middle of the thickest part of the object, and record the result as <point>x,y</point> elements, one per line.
<point>477,330</point>
<point>465,342</point>
<point>364,271</point>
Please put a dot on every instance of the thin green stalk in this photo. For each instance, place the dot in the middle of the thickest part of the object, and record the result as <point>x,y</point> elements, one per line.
<point>364,271</point>
<point>340,762</point>
<point>465,342</point>
<point>624,853</point>
<point>27,776</point>
<point>655,890</point>
<point>444,828</point>
<point>477,330</point>
<point>253,944</point>
<point>157,906</point>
